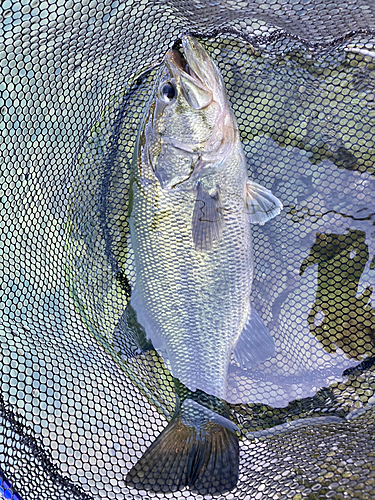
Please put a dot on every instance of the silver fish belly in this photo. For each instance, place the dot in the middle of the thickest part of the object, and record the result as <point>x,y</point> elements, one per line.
<point>192,206</point>
<point>193,304</point>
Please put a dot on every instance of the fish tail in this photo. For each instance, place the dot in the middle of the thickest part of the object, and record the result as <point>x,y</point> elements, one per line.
<point>198,449</point>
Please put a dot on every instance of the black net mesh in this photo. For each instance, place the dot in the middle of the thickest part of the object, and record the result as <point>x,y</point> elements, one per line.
<point>82,393</point>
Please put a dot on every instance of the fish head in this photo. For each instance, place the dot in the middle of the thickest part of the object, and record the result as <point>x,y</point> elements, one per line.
<point>191,119</point>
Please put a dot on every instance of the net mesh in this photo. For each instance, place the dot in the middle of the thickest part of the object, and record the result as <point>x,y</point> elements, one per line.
<point>81,399</point>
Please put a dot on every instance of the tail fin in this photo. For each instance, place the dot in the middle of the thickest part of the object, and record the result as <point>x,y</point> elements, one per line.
<point>198,449</point>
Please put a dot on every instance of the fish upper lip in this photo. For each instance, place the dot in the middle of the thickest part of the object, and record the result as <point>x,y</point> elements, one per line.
<point>181,62</point>
<point>177,59</point>
<point>188,64</point>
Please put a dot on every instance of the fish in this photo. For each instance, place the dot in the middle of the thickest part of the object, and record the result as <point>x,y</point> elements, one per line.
<point>190,214</point>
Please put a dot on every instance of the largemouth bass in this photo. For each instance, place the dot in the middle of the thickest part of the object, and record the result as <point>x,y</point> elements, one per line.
<point>192,206</point>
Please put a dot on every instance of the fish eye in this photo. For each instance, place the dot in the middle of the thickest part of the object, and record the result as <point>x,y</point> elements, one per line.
<point>168,92</point>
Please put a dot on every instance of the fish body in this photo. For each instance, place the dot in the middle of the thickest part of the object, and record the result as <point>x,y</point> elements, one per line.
<point>192,206</point>
<point>195,303</point>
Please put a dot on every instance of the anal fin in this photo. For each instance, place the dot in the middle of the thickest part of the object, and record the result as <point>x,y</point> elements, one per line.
<point>261,204</point>
<point>255,344</point>
<point>207,219</point>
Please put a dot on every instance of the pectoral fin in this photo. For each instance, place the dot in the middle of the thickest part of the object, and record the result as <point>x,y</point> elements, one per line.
<point>255,343</point>
<point>207,219</point>
<point>261,203</point>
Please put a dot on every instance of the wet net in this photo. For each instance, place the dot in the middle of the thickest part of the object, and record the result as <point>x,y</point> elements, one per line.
<point>83,394</point>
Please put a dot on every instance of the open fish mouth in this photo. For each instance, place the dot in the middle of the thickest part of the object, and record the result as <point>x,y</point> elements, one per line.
<point>193,72</point>
<point>192,63</point>
<point>175,59</point>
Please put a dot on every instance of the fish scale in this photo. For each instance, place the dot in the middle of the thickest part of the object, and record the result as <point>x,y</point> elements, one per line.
<point>192,206</point>
<point>196,300</point>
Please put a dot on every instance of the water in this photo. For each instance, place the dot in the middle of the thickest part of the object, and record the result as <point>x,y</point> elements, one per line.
<point>305,124</point>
